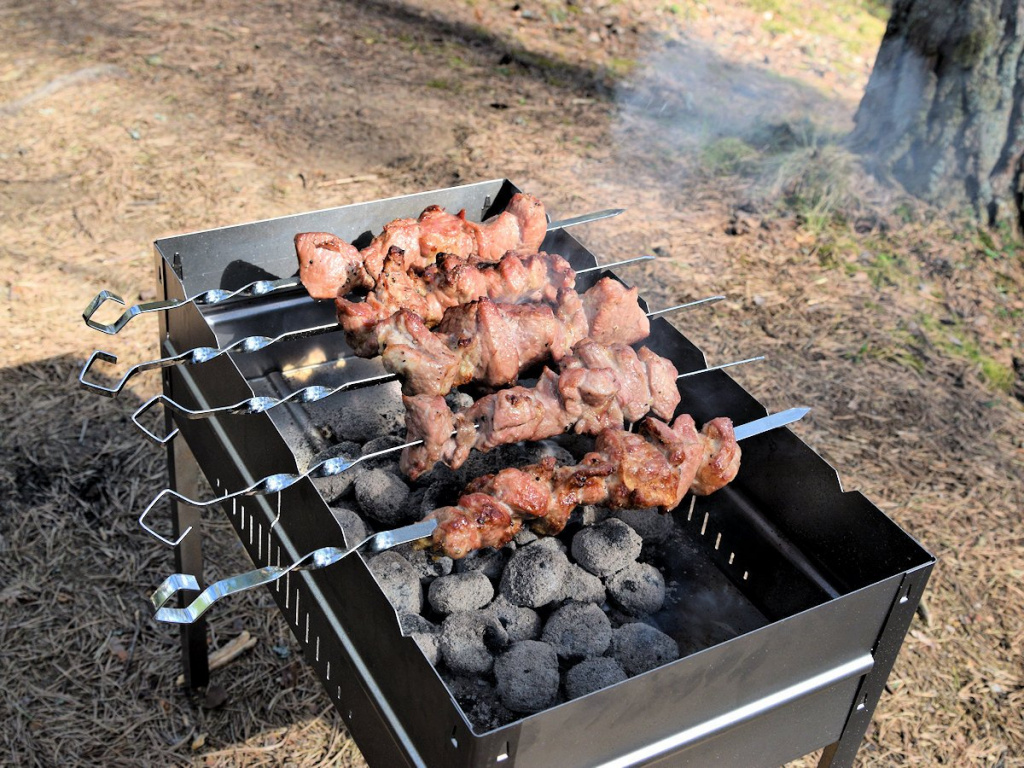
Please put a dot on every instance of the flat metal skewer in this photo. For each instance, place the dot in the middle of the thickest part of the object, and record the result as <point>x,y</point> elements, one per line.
<point>256,289</point>
<point>279,482</point>
<point>255,344</point>
<point>327,556</point>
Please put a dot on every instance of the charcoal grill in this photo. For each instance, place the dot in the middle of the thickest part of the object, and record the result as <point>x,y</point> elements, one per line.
<point>815,586</point>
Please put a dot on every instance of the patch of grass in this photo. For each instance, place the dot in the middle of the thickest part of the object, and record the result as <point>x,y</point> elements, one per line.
<point>728,156</point>
<point>953,340</point>
<point>857,24</point>
<point>620,67</point>
<point>444,84</point>
<point>814,182</point>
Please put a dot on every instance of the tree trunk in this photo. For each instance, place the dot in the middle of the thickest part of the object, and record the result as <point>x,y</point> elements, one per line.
<point>943,112</point>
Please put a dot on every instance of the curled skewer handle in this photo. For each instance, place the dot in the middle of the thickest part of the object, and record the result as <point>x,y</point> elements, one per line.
<point>250,405</point>
<point>264,486</point>
<point>254,289</point>
<point>318,558</point>
<point>192,356</point>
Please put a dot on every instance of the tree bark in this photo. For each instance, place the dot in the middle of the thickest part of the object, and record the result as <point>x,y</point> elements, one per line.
<point>943,111</point>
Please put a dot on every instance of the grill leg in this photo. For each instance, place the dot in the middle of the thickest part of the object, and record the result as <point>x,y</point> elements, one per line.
<point>188,556</point>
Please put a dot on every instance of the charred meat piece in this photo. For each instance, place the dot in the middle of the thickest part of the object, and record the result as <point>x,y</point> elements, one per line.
<point>493,342</point>
<point>626,470</point>
<point>329,267</point>
<point>453,280</point>
<point>599,387</point>
<point>608,307</point>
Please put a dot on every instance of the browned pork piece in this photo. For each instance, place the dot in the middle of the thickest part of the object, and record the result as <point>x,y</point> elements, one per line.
<point>655,468</point>
<point>600,386</point>
<point>330,267</point>
<point>517,277</point>
<point>491,343</point>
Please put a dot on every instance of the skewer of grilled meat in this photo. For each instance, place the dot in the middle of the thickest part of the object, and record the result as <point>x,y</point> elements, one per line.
<point>626,470</point>
<point>517,277</point>
<point>600,386</point>
<point>330,267</point>
<point>491,343</point>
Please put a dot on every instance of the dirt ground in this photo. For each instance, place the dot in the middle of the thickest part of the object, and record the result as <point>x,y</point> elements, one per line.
<point>714,123</point>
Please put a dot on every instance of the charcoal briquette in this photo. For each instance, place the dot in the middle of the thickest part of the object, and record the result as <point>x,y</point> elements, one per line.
<point>520,623</point>
<point>469,640</point>
<point>578,630</point>
<point>527,676</point>
<point>489,561</point>
<point>606,548</point>
<point>582,586</point>
<point>640,647</point>
<point>460,592</point>
<point>638,589</point>
<point>399,581</point>
<point>592,675</point>
<point>352,525</point>
<point>534,576</point>
<point>653,526</point>
<point>382,497</point>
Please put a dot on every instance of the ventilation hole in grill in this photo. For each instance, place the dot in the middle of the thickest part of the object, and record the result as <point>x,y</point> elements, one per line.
<point>318,652</point>
<point>718,541</point>
<point>863,703</point>
<point>503,755</point>
<point>693,503</point>
<point>307,629</point>
<point>704,525</point>
<point>745,575</point>
<point>455,741</point>
<point>732,556</point>
<point>906,593</point>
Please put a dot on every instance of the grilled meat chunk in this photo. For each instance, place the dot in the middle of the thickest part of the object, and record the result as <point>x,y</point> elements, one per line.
<point>600,386</point>
<point>329,267</point>
<point>453,280</point>
<point>626,470</point>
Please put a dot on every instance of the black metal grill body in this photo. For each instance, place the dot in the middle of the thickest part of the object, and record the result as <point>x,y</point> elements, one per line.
<point>833,581</point>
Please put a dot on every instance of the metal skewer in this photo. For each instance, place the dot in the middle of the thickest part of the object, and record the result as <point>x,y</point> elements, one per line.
<point>255,344</point>
<point>327,556</point>
<point>256,289</point>
<point>281,481</point>
<point>305,395</point>
<point>318,558</point>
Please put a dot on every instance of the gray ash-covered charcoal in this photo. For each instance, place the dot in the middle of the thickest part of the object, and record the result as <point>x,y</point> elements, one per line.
<point>489,561</point>
<point>577,630</point>
<point>551,542</point>
<point>469,640</point>
<point>382,497</point>
<point>640,647</point>
<point>426,634</point>
<point>479,700</point>
<point>606,548</point>
<point>336,486</point>
<point>520,623</point>
<point>440,493</point>
<point>534,576</point>
<point>527,676</point>
<point>413,623</point>
<point>460,592</point>
<point>588,514</point>
<point>638,589</point>
<point>388,461</point>
<point>524,537</point>
<point>428,564</point>
<point>592,675</point>
<point>582,586</point>
<point>653,526</point>
<point>399,581</point>
<point>430,644</point>
<point>363,414</point>
<point>352,525</point>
